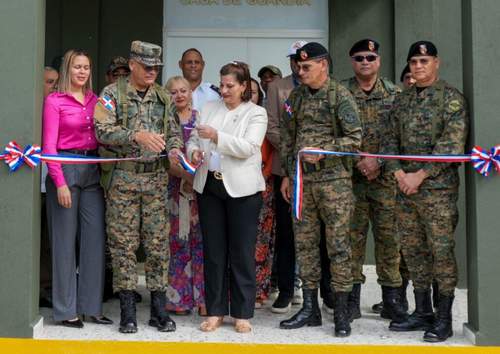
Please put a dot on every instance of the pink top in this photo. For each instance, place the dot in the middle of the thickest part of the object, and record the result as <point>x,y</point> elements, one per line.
<point>67,125</point>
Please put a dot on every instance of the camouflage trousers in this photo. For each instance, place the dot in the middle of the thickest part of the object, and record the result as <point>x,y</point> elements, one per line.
<point>332,203</point>
<point>374,203</point>
<point>136,212</point>
<point>426,223</point>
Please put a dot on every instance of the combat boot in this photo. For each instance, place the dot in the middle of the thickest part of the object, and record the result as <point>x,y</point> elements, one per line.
<point>392,307</point>
<point>128,321</point>
<point>341,315</point>
<point>354,302</point>
<point>309,314</point>
<point>159,316</point>
<point>442,328</point>
<point>435,294</point>
<point>422,319</point>
<point>402,294</point>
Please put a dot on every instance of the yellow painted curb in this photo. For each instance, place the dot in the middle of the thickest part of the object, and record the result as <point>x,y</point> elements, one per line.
<point>22,346</point>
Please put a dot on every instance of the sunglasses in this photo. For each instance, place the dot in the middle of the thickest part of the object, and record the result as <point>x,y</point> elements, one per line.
<point>369,58</point>
<point>148,68</point>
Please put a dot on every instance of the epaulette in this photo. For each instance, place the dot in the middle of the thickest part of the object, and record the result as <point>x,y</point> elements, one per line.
<point>215,88</point>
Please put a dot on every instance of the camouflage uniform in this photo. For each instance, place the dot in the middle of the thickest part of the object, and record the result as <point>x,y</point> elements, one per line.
<point>374,200</point>
<point>434,121</point>
<point>136,205</point>
<point>327,188</point>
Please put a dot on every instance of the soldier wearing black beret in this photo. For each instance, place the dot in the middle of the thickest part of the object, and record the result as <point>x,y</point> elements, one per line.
<point>321,114</point>
<point>374,190</point>
<point>429,118</point>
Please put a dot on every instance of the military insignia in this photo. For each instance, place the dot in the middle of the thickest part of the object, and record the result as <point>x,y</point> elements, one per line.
<point>423,49</point>
<point>371,46</point>
<point>454,106</point>
<point>288,108</point>
<point>303,55</point>
<point>107,102</point>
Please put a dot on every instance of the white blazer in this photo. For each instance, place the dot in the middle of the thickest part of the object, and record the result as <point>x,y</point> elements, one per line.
<point>240,135</point>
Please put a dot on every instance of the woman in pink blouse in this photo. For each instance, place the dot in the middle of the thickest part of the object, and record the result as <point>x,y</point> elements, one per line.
<point>75,202</point>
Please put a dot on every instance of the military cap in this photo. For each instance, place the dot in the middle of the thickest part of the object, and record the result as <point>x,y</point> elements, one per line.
<point>364,45</point>
<point>293,48</point>
<point>116,63</point>
<point>146,53</point>
<point>421,48</point>
<point>271,68</point>
<point>312,50</point>
<point>405,71</point>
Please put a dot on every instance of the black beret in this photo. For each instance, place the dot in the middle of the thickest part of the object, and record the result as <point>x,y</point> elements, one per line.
<point>364,45</point>
<point>421,48</point>
<point>312,50</point>
<point>405,71</point>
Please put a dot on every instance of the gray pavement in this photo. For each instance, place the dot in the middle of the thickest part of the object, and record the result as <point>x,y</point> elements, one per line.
<point>370,329</point>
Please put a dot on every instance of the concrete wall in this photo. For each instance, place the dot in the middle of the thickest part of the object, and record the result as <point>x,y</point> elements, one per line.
<point>481,33</point>
<point>22,24</point>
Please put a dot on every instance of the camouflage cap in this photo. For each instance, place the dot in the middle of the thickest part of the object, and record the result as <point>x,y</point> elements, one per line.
<point>116,63</point>
<point>273,69</point>
<point>146,53</point>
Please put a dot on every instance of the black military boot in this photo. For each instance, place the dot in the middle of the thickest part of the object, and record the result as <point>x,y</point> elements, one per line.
<point>435,294</point>
<point>159,315</point>
<point>442,328</point>
<point>353,302</point>
<point>128,321</point>
<point>309,314</point>
<point>392,309</point>
<point>422,319</point>
<point>341,315</point>
<point>402,294</point>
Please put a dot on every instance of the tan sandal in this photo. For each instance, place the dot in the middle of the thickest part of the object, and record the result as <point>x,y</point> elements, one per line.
<point>243,326</point>
<point>211,323</point>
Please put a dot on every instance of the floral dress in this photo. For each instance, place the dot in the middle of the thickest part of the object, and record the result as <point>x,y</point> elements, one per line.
<point>186,288</point>
<point>266,230</point>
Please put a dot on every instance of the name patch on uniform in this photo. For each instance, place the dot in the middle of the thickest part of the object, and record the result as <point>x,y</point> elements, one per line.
<point>107,102</point>
<point>288,109</point>
<point>454,106</point>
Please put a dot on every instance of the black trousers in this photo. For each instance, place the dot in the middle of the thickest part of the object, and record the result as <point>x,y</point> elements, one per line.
<point>229,228</point>
<point>284,244</point>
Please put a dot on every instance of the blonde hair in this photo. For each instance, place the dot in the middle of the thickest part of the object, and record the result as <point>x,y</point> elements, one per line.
<point>64,83</point>
<point>174,79</point>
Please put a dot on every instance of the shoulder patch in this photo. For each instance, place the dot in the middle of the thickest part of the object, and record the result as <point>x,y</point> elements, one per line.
<point>107,103</point>
<point>347,112</point>
<point>454,106</point>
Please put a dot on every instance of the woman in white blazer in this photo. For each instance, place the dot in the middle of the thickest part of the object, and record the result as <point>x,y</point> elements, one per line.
<point>229,182</point>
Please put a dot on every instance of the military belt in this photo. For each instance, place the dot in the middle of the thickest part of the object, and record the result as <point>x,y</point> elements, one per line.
<point>140,167</point>
<point>318,166</point>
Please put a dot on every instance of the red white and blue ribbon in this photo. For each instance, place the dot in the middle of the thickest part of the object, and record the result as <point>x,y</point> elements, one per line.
<point>188,166</point>
<point>482,162</point>
<point>14,157</point>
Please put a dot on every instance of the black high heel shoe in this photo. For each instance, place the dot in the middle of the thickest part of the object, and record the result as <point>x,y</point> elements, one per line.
<point>72,323</point>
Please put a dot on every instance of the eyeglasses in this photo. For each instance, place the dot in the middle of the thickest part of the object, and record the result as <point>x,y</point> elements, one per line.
<point>369,58</point>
